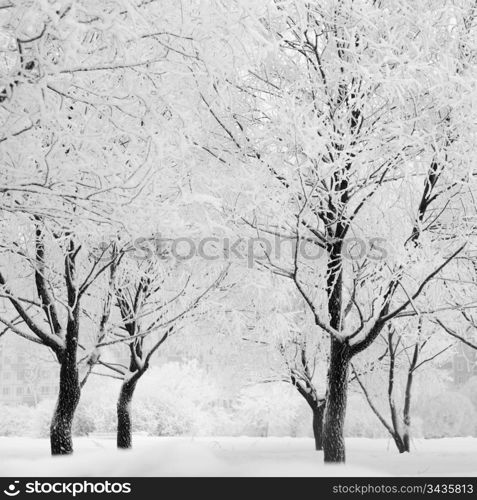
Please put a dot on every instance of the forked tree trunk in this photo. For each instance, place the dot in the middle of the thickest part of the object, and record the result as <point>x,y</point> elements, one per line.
<point>124,414</point>
<point>70,387</point>
<point>318,413</point>
<point>400,444</point>
<point>402,432</point>
<point>336,399</point>
<point>68,399</point>
<point>317,405</point>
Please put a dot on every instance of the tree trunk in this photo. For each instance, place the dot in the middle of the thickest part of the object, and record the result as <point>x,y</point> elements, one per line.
<point>337,390</point>
<point>306,389</point>
<point>68,399</point>
<point>318,413</point>
<point>336,399</point>
<point>70,388</point>
<point>407,401</point>
<point>124,413</point>
<point>400,443</point>
<point>406,439</point>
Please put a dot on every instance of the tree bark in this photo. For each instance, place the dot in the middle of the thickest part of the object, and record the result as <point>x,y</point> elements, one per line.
<point>337,390</point>
<point>336,400</point>
<point>124,414</point>
<point>396,424</point>
<point>406,443</point>
<point>70,388</point>
<point>318,413</point>
<point>400,443</point>
<point>306,389</point>
<point>68,399</point>
<point>406,438</point>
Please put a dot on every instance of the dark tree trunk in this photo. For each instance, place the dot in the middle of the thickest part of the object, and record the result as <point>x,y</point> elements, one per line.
<point>337,390</point>
<point>137,365</point>
<point>70,388</point>
<point>406,438</point>
<point>124,413</point>
<point>68,399</point>
<point>395,420</point>
<point>306,389</point>
<point>401,445</point>
<point>318,426</point>
<point>336,399</point>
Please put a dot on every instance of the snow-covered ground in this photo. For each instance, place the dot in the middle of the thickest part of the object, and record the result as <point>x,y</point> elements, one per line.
<point>244,456</point>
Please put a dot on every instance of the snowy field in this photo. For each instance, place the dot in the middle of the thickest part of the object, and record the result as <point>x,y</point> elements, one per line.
<point>244,456</point>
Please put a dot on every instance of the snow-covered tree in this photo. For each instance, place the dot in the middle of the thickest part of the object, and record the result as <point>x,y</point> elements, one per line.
<point>48,298</point>
<point>348,123</point>
<point>276,324</point>
<point>86,133</point>
<point>155,298</point>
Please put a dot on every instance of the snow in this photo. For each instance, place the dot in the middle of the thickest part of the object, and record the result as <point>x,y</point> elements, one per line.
<point>242,456</point>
